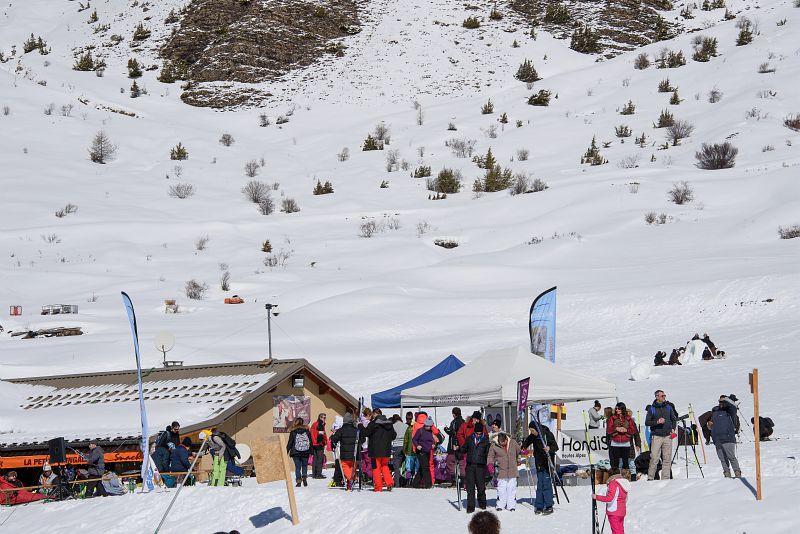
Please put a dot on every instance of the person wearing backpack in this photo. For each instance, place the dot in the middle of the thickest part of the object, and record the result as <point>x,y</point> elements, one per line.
<point>223,449</point>
<point>166,442</point>
<point>723,432</point>
<point>299,448</point>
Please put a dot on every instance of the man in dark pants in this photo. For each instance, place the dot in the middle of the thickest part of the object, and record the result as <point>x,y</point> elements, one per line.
<point>476,451</point>
<point>453,454</point>
<point>96,467</point>
<point>318,442</point>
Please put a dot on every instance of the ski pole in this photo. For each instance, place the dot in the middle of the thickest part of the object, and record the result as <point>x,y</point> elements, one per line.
<point>556,479</point>
<point>595,522</point>
<point>205,437</point>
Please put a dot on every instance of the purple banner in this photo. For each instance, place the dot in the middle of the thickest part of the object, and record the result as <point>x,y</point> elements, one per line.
<point>522,393</point>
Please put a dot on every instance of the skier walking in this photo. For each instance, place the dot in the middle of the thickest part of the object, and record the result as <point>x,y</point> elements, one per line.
<point>616,498</point>
<point>543,455</point>
<point>723,432</point>
<point>476,452</point>
<point>505,454</point>
<point>299,448</point>
<point>318,442</point>
<point>381,433</point>
<point>661,419</point>
<point>345,438</point>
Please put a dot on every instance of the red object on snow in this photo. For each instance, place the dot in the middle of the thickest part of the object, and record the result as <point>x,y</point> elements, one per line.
<point>18,496</point>
<point>15,310</point>
<point>236,299</point>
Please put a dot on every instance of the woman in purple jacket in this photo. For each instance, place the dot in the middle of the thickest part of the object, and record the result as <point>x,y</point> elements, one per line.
<point>424,443</point>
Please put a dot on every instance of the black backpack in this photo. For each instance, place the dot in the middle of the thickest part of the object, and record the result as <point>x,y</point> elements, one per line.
<point>230,444</point>
<point>162,439</point>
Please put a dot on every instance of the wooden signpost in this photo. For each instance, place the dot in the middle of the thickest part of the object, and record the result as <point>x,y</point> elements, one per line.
<point>287,471</point>
<point>754,391</point>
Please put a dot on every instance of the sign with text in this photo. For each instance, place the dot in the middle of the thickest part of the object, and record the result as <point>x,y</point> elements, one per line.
<point>572,446</point>
<point>38,460</point>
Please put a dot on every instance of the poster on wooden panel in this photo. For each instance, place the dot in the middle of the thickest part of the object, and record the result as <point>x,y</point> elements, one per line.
<point>287,408</point>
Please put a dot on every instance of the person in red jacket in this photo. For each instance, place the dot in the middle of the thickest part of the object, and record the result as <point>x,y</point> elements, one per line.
<point>621,429</point>
<point>616,498</point>
<point>318,441</point>
<point>15,495</point>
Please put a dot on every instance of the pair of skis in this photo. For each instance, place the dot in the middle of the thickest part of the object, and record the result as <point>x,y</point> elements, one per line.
<point>458,482</point>
<point>555,479</point>
<point>356,456</point>
<point>595,520</point>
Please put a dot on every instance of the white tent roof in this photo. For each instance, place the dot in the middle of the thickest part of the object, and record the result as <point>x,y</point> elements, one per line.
<point>492,378</point>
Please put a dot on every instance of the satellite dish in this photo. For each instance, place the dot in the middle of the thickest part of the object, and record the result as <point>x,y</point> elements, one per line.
<point>164,341</point>
<point>244,453</point>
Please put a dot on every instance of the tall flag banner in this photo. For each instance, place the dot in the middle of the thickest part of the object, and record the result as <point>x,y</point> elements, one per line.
<point>147,471</point>
<point>543,325</point>
<point>522,401</point>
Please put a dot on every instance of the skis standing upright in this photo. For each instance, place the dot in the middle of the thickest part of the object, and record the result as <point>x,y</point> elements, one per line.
<point>555,479</point>
<point>595,521</point>
<point>356,456</point>
<point>458,481</point>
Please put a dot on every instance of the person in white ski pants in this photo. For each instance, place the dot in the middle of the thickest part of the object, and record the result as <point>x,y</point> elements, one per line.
<point>504,455</point>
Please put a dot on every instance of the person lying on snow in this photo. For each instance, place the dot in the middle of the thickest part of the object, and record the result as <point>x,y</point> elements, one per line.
<point>10,494</point>
<point>616,498</point>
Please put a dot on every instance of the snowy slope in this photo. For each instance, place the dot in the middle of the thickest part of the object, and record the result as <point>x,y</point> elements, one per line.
<point>374,312</point>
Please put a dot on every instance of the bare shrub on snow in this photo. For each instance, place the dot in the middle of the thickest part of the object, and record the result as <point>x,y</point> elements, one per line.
<point>344,154</point>
<point>392,160</point>
<point>226,139</point>
<point>716,156</point>
<point>251,168</point>
<point>102,149</point>
<point>629,162</point>
<point>289,205</point>
<point>792,122</point>
<point>201,242</point>
<point>181,190</point>
<point>195,290</point>
<point>522,154</point>
<point>681,193</point>
<point>255,191</point>
<point>679,129</point>
<point>461,147</point>
<point>789,232</point>
<point>66,210</point>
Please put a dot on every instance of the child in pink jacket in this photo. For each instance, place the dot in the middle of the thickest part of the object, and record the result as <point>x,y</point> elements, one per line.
<point>616,498</point>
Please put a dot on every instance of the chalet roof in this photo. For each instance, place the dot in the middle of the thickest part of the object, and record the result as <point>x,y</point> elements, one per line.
<point>105,405</point>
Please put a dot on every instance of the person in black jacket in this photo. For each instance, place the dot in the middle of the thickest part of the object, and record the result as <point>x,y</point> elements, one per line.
<point>299,448</point>
<point>95,461</point>
<point>345,438</point>
<point>765,427</point>
<point>166,442</point>
<point>662,418</point>
<point>476,449</point>
<point>453,454</point>
<point>380,432</point>
<point>723,432</point>
<point>543,454</point>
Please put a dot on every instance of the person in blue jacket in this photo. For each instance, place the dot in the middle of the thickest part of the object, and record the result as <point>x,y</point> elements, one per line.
<point>181,459</point>
<point>723,432</point>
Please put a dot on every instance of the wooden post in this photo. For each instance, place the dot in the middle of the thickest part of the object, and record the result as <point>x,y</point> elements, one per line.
<point>287,472</point>
<point>754,391</point>
<point>558,417</point>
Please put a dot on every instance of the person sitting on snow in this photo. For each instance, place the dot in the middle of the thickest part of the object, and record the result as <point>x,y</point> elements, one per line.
<point>658,359</point>
<point>710,344</point>
<point>675,357</point>
<point>765,427</point>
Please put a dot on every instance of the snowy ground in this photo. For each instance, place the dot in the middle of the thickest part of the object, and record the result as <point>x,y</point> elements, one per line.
<point>371,313</point>
<point>686,505</point>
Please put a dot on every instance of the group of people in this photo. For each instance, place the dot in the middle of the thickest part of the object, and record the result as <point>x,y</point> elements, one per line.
<point>400,453</point>
<point>710,352</point>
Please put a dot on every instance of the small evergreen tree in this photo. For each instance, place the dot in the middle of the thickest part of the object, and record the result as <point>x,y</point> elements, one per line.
<point>628,109</point>
<point>503,118</point>
<point>592,155</point>
<point>745,32</point>
<point>526,72</point>
<point>641,62</point>
<point>675,99</point>
<point>661,29</point>
<point>141,33</point>
<point>102,149</point>
<point>447,181</point>
<point>585,40</point>
<point>370,143</point>
<point>622,131</point>
<point>135,91</point>
<point>30,44</point>
<point>178,152</point>
<point>494,14</point>
<point>664,86</point>
<point>487,108</point>
<point>542,98</point>
<point>705,49</point>
<point>134,69</point>
<point>323,189</point>
<point>665,119</point>
<point>556,13</point>
<point>471,23</point>
<point>93,17</point>
<point>422,171</point>
<point>85,62</point>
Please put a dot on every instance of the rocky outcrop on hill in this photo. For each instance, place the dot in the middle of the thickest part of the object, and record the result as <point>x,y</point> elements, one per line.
<point>621,24</point>
<point>252,41</point>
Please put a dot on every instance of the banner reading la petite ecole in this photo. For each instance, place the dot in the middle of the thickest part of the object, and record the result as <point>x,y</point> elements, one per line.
<point>542,325</point>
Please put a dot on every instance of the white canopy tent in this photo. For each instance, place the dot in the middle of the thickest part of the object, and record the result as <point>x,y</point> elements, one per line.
<point>491,380</point>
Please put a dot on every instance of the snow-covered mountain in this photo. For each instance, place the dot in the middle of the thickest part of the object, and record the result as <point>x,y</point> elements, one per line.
<point>364,290</point>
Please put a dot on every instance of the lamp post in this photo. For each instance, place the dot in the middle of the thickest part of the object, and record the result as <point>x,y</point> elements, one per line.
<point>272,309</point>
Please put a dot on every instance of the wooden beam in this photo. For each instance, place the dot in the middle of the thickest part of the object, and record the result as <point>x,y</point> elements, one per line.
<point>287,471</point>
<point>756,430</point>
